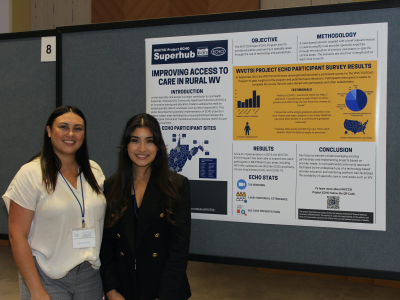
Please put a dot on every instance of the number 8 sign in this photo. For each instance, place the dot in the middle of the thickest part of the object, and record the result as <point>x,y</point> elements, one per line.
<point>48,49</point>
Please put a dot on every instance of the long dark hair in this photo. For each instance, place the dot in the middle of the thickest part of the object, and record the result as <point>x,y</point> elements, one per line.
<point>118,196</point>
<point>51,164</point>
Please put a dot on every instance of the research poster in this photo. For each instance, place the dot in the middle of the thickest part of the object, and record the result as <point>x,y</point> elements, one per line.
<point>286,126</point>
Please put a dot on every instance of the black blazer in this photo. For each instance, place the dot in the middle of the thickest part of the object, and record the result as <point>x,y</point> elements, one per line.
<point>161,249</point>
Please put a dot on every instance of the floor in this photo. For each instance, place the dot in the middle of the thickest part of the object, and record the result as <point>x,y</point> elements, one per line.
<point>225,282</point>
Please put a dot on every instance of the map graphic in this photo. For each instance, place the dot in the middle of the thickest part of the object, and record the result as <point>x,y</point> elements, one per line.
<point>179,155</point>
<point>354,126</point>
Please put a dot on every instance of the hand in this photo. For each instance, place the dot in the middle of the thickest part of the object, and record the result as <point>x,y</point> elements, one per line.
<point>40,296</point>
<point>114,295</point>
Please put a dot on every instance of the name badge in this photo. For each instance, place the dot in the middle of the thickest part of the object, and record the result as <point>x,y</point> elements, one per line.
<point>83,238</point>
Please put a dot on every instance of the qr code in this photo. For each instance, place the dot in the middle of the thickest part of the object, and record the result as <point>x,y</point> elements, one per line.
<point>333,202</point>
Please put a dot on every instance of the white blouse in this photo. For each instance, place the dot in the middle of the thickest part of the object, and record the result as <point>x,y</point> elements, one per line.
<point>50,236</point>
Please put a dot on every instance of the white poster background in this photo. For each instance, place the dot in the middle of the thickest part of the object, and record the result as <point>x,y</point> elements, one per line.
<point>369,193</point>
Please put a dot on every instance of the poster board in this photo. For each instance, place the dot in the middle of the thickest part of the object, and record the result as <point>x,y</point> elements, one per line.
<point>276,115</point>
<point>103,73</point>
<point>27,93</point>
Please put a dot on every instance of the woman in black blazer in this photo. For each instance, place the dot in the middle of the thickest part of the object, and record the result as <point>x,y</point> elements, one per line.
<point>145,246</point>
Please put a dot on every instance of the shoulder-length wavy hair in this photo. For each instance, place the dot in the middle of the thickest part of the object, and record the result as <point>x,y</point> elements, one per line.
<point>51,164</point>
<point>118,196</point>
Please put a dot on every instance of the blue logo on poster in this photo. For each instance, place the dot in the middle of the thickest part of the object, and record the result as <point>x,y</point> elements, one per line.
<point>241,184</point>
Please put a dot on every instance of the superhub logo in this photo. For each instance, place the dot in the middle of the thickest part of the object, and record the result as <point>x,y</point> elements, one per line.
<point>178,53</point>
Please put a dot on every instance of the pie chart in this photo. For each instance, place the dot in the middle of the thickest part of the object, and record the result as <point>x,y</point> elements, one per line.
<point>356,100</point>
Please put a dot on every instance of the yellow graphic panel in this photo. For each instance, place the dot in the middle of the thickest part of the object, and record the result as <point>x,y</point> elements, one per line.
<point>305,102</point>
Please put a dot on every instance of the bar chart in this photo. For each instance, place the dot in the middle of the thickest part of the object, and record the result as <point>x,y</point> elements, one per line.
<point>253,102</point>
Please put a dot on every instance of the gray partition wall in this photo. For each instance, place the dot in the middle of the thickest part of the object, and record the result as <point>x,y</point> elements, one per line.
<point>103,73</point>
<point>27,97</point>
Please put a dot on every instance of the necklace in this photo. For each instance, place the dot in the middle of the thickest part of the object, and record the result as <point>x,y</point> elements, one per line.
<point>141,180</point>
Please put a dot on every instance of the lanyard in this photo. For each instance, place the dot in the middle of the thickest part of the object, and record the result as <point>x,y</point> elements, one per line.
<point>135,204</point>
<point>83,199</point>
